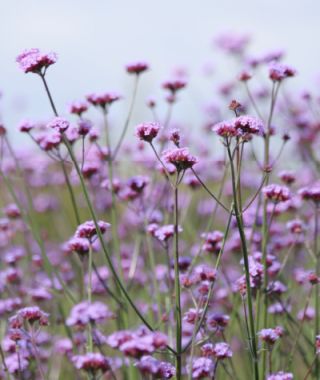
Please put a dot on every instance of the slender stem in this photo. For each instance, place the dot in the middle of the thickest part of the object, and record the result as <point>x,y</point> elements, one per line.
<point>71,192</point>
<point>42,76</point>
<point>100,237</point>
<point>252,337</point>
<point>206,306</point>
<point>89,290</point>
<point>317,287</point>
<point>253,102</point>
<point>114,217</point>
<point>36,354</point>
<point>161,162</point>
<point>126,124</point>
<point>310,369</point>
<point>274,93</point>
<point>177,287</point>
<point>208,191</point>
<point>270,359</point>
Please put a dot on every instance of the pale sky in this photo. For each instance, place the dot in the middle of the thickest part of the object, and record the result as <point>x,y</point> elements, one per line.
<point>95,39</point>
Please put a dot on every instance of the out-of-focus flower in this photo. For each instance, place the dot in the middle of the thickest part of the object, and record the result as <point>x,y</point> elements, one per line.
<point>279,71</point>
<point>147,131</point>
<point>180,158</point>
<point>86,312</point>
<point>103,99</point>
<point>276,193</point>
<point>88,229</point>
<point>280,376</point>
<point>137,67</point>
<point>151,366</point>
<point>34,61</point>
<point>59,124</point>
<point>92,362</point>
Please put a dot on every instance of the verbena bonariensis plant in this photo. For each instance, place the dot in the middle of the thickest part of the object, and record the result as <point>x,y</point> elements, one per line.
<point>158,258</point>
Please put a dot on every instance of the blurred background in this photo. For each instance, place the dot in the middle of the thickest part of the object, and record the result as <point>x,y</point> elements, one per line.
<point>95,39</point>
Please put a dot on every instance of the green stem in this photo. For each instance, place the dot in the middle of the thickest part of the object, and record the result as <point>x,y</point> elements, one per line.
<point>252,336</point>
<point>317,303</point>
<point>99,234</point>
<point>89,290</point>
<point>126,124</point>
<point>177,288</point>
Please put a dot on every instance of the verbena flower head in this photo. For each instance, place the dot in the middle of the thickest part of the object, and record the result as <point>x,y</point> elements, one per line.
<point>59,124</point>
<point>147,131</point>
<point>241,126</point>
<point>174,85</point>
<point>29,314</point>
<point>269,335</point>
<point>279,71</point>
<point>85,312</point>
<point>310,193</point>
<point>137,67</point>
<point>221,351</point>
<point>180,158</point>
<point>202,368</point>
<point>276,193</point>
<point>78,107</point>
<point>280,376</point>
<point>232,43</point>
<point>84,127</point>
<point>175,137</point>
<point>248,125</point>
<point>26,126</point>
<point>92,362</point>
<point>78,245</point>
<point>88,229</point>
<point>164,233</point>
<point>35,61</point>
<point>103,99</point>
<point>151,366</point>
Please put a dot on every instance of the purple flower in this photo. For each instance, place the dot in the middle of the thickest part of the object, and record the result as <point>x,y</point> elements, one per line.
<point>49,141</point>
<point>84,127</point>
<point>174,85</point>
<point>212,242</point>
<point>280,376</point>
<point>78,107</point>
<point>26,126</point>
<point>88,229</point>
<point>147,131</point>
<point>149,365</point>
<point>279,71</point>
<point>269,336</point>
<point>225,129</point>
<point>276,193</point>
<point>29,314</point>
<point>34,61</point>
<point>310,193</point>
<point>86,312</point>
<point>241,126</point>
<point>103,99</point>
<point>180,158</point>
<point>137,67</point>
<point>202,367</point>
<point>222,351</point>
<point>16,363</point>
<point>92,362</point>
<point>164,233</point>
<point>59,124</point>
<point>137,343</point>
<point>248,125</point>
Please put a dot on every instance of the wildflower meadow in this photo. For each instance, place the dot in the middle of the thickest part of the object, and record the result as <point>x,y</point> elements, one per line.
<point>147,251</point>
